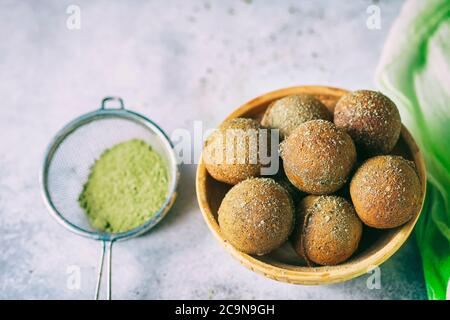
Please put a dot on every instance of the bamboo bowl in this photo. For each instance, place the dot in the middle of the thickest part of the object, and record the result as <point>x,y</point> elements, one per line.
<point>284,264</point>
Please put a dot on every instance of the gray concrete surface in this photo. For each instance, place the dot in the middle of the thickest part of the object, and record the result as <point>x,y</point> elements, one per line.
<point>176,62</point>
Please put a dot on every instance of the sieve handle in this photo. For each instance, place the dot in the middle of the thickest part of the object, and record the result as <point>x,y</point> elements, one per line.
<point>106,253</point>
<point>115,99</point>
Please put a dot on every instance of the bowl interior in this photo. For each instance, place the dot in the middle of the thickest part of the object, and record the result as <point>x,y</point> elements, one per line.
<point>284,264</point>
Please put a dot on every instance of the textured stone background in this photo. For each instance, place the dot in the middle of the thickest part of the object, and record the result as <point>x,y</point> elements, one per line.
<point>175,62</point>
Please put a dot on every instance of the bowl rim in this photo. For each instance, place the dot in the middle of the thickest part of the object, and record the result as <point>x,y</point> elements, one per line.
<point>310,275</point>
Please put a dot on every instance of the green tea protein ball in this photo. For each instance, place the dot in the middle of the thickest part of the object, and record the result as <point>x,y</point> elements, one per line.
<point>289,112</point>
<point>327,230</point>
<point>371,119</point>
<point>385,191</point>
<point>256,216</point>
<point>318,157</point>
<point>231,153</point>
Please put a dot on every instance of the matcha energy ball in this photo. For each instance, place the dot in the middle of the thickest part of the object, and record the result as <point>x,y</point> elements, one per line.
<point>231,153</point>
<point>318,157</point>
<point>371,119</point>
<point>327,230</point>
<point>289,112</point>
<point>256,216</point>
<point>385,191</point>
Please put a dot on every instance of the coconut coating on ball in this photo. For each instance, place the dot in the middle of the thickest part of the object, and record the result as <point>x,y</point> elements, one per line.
<point>231,153</point>
<point>371,119</point>
<point>256,216</point>
<point>289,112</point>
<point>385,191</point>
<point>327,230</point>
<point>318,157</point>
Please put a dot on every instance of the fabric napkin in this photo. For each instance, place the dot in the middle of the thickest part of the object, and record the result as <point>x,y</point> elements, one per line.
<point>415,72</point>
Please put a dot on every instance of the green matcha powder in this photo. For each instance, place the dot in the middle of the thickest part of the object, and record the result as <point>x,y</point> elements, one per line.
<point>128,184</point>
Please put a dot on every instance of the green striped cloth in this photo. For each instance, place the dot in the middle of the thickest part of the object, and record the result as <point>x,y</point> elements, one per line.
<point>415,72</point>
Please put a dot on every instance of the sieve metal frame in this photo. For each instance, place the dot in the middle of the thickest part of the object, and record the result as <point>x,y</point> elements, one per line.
<point>108,239</point>
<point>85,119</point>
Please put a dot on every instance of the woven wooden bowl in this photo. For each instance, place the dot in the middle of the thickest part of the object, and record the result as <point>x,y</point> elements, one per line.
<point>284,264</point>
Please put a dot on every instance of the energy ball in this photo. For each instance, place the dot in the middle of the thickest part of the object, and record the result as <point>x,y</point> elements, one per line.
<point>288,113</point>
<point>256,216</point>
<point>318,157</point>
<point>327,230</point>
<point>385,191</point>
<point>231,153</point>
<point>371,119</point>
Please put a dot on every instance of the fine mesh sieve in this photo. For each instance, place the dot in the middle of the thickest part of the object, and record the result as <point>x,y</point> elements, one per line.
<point>69,159</point>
